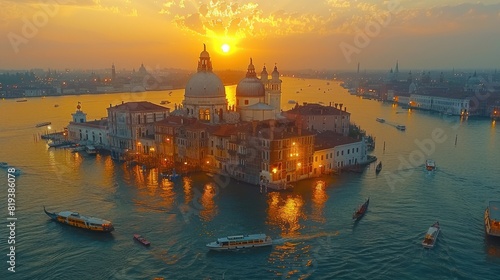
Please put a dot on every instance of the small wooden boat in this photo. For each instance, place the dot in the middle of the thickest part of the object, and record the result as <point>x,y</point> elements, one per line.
<point>431,236</point>
<point>360,212</point>
<point>401,127</point>
<point>380,120</point>
<point>378,168</point>
<point>77,220</point>
<point>142,240</point>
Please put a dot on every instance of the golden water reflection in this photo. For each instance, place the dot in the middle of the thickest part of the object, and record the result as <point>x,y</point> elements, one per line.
<point>285,212</point>
<point>319,198</point>
<point>209,208</point>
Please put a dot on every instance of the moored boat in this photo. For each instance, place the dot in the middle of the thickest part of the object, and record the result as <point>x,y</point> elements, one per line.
<point>91,150</point>
<point>240,242</point>
<point>77,220</point>
<point>380,120</point>
<point>430,165</point>
<point>431,236</point>
<point>492,219</point>
<point>401,127</point>
<point>360,212</point>
<point>42,124</point>
<point>378,168</point>
<point>142,240</point>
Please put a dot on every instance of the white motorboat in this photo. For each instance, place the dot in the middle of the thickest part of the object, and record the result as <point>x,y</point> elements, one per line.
<point>431,236</point>
<point>430,165</point>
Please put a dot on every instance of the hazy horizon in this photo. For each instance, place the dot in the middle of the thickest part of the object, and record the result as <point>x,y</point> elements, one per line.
<point>331,35</point>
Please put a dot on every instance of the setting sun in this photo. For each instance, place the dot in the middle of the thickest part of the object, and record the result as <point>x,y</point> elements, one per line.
<point>225,48</point>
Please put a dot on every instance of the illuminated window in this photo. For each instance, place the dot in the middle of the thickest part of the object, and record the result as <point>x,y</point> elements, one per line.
<point>204,114</point>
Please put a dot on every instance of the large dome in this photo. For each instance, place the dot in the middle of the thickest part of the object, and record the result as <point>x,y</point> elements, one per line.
<point>251,87</point>
<point>205,84</point>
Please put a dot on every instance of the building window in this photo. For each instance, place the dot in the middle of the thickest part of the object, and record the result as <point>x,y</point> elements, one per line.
<point>204,114</point>
<point>246,101</point>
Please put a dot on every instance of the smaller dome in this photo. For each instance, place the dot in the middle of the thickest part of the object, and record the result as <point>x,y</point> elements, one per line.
<point>250,87</point>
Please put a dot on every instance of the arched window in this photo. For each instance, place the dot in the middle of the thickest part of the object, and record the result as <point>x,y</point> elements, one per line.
<point>204,114</point>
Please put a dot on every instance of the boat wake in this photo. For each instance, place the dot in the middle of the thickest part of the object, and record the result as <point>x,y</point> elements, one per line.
<point>294,239</point>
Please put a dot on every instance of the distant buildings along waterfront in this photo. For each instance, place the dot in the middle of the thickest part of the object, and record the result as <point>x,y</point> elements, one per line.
<point>451,93</point>
<point>252,141</point>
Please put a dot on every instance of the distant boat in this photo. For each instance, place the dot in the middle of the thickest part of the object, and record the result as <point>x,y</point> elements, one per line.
<point>430,165</point>
<point>240,242</point>
<point>165,102</point>
<point>91,150</point>
<point>401,127</point>
<point>22,100</point>
<point>380,120</point>
<point>170,176</point>
<point>360,212</point>
<point>492,219</point>
<point>291,101</point>
<point>142,240</point>
<point>431,236</point>
<point>43,124</point>
<point>378,168</point>
<point>56,105</point>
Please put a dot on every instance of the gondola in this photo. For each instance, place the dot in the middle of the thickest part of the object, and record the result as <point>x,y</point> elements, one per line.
<point>379,167</point>
<point>360,212</point>
<point>142,240</point>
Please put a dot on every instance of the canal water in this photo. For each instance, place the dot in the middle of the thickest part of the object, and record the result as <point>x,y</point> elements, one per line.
<point>314,235</point>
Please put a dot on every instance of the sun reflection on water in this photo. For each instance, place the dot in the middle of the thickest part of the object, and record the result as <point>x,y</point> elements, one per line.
<point>285,213</point>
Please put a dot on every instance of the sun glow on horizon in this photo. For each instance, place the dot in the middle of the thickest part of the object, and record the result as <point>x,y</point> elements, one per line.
<point>225,48</point>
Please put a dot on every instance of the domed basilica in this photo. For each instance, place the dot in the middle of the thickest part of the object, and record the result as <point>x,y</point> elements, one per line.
<point>205,95</point>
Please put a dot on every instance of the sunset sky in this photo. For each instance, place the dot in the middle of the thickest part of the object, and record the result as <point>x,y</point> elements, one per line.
<point>298,34</point>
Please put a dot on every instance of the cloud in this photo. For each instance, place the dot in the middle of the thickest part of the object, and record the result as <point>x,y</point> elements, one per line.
<point>221,18</point>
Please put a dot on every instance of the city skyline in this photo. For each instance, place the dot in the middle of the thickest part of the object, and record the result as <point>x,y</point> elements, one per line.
<point>332,35</point>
